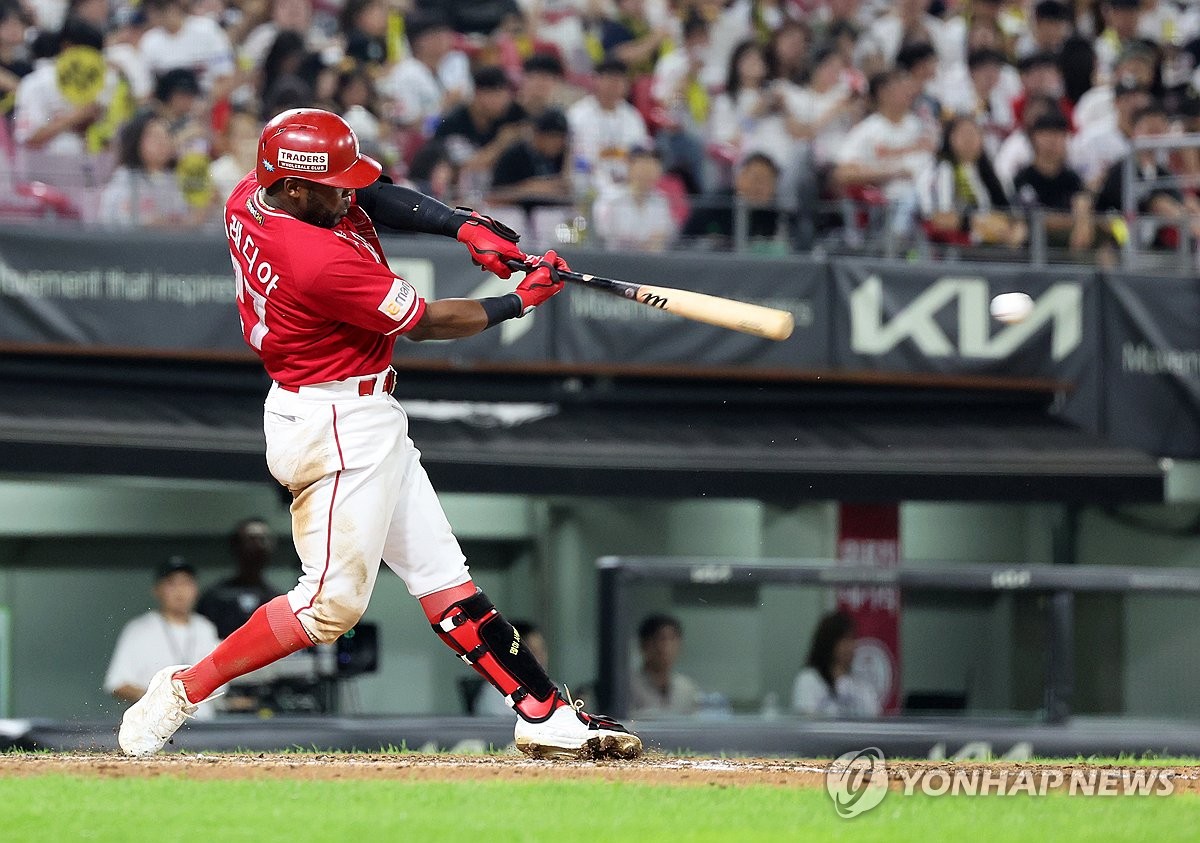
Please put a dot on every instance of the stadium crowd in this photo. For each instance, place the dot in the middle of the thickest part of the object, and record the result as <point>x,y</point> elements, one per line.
<point>627,123</point>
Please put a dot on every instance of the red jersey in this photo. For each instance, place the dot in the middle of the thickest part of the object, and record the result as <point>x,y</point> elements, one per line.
<point>316,304</point>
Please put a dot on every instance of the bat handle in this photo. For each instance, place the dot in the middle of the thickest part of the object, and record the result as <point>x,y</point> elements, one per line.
<point>517,266</point>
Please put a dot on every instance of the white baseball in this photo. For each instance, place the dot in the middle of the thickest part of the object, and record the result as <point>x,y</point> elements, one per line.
<point>1011,307</point>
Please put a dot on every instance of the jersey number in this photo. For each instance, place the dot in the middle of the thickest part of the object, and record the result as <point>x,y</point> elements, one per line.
<point>260,329</point>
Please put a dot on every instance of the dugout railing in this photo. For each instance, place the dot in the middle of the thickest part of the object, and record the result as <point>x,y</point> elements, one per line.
<point>619,575</point>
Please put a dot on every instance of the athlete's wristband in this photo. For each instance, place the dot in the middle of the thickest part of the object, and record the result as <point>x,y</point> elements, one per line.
<point>502,308</point>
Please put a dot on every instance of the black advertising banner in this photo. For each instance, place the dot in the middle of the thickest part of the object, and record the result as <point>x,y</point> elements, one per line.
<point>1152,364</point>
<point>935,318</point>
<point>140,291</point>
<point>599,328</point>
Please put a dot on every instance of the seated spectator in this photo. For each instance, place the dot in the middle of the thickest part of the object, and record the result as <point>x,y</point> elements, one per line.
<point>986,99</point>
<point>605,128</point>
<point>656,689</point>
<point>827,686</point>
<point>364,24</point>
<point>629,38</point>
<point>1136,67</point>
<point>432,172</point>
<point>491,703</point>
<point>286,16</point>
<point>1048,183</point>
<point>178,93</point>
<point>889,148</point>
<point>679,93</point>
<point>824,108</point>
<point>1050,29</point>
<point>636,216</point>
<point>750,115</point>
<point>230,602</point>
<point>177,38</point>
<point>1093,151</point>
<point>1167,203</point>
<point>433,79</point>
<point>960,194</point>
<point>144,191</point>
<point>169,635</point>
<point>239,153</point>
<point>541,87</point>
<point>1016,152</point>
<point>533,172</point>
<point>712,222</point>
<point>788,51</point>
<point>477,132</point>
<point>355,100</point>
<point>1041,77</point>
<point>44,117</point>
<point>1121,21</point>
<point>15,63</point>
<point>921,62</point>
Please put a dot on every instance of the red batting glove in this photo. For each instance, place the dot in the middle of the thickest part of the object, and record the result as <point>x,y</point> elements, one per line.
<point>491,243</point>
<point>542,281</point>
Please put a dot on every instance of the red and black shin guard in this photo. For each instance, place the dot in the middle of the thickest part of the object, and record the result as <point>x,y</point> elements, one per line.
<point>481,636</point>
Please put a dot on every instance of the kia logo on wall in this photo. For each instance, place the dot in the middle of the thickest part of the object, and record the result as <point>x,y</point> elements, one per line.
<point>977,334</point>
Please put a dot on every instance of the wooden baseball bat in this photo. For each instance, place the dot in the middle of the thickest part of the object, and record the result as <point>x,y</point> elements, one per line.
<point>766,322</point>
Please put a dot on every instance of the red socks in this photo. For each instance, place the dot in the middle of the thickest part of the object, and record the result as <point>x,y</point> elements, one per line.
<point>272,632</point>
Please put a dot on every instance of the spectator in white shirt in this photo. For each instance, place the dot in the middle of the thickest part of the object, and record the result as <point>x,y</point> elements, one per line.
<point>656,688</point>
<point>1097,106</point>
<point>636,216</point>
<point>605,128</point>
<point>179,39</point>
<point>432,80</point>
<point>890,148</point>
<point>1093,151</point>
<point>171,634</point>
<point>827,686</point>
<point>286,16</point>
<point>750,115</point>
<point>44,119</point>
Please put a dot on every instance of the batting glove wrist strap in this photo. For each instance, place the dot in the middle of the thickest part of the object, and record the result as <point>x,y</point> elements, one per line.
<point>502,308</point>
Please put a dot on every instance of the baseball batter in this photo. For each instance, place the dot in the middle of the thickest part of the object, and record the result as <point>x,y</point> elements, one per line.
<point>322,309</point>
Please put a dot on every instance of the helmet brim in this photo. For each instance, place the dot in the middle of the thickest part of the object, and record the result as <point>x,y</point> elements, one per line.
<point>366,170</point>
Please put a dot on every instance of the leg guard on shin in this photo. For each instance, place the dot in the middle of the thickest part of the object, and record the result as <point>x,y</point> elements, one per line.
<point>481,636</point>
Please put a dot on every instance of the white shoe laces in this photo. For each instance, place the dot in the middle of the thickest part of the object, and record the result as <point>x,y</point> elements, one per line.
<point>574,703</point>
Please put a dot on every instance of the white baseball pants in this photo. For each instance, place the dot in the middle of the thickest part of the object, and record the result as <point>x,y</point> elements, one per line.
<point>360,495</point>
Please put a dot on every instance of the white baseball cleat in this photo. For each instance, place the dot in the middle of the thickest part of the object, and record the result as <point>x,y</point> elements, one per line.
<point>571,733</point>
<point>151,721</point>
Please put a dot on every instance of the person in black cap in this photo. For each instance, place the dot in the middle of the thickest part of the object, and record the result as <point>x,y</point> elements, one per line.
<point>170,634</point>
<point>478,131</point>
<point>532,172</point>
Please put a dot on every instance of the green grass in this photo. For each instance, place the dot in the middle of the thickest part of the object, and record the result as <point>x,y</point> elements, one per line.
<point>165,809</point>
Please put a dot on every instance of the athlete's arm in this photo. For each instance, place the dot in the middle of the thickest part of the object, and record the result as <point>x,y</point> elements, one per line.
<point>449,319</point>
<point>491,243</point>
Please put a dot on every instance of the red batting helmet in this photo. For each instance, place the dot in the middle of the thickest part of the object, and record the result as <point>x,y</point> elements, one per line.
<point>312,144</point>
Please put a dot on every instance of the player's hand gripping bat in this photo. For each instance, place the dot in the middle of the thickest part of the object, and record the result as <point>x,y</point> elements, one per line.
<point>741,316</point>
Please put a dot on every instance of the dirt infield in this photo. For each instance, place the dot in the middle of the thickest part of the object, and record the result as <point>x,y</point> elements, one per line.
<point>653,769</point>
